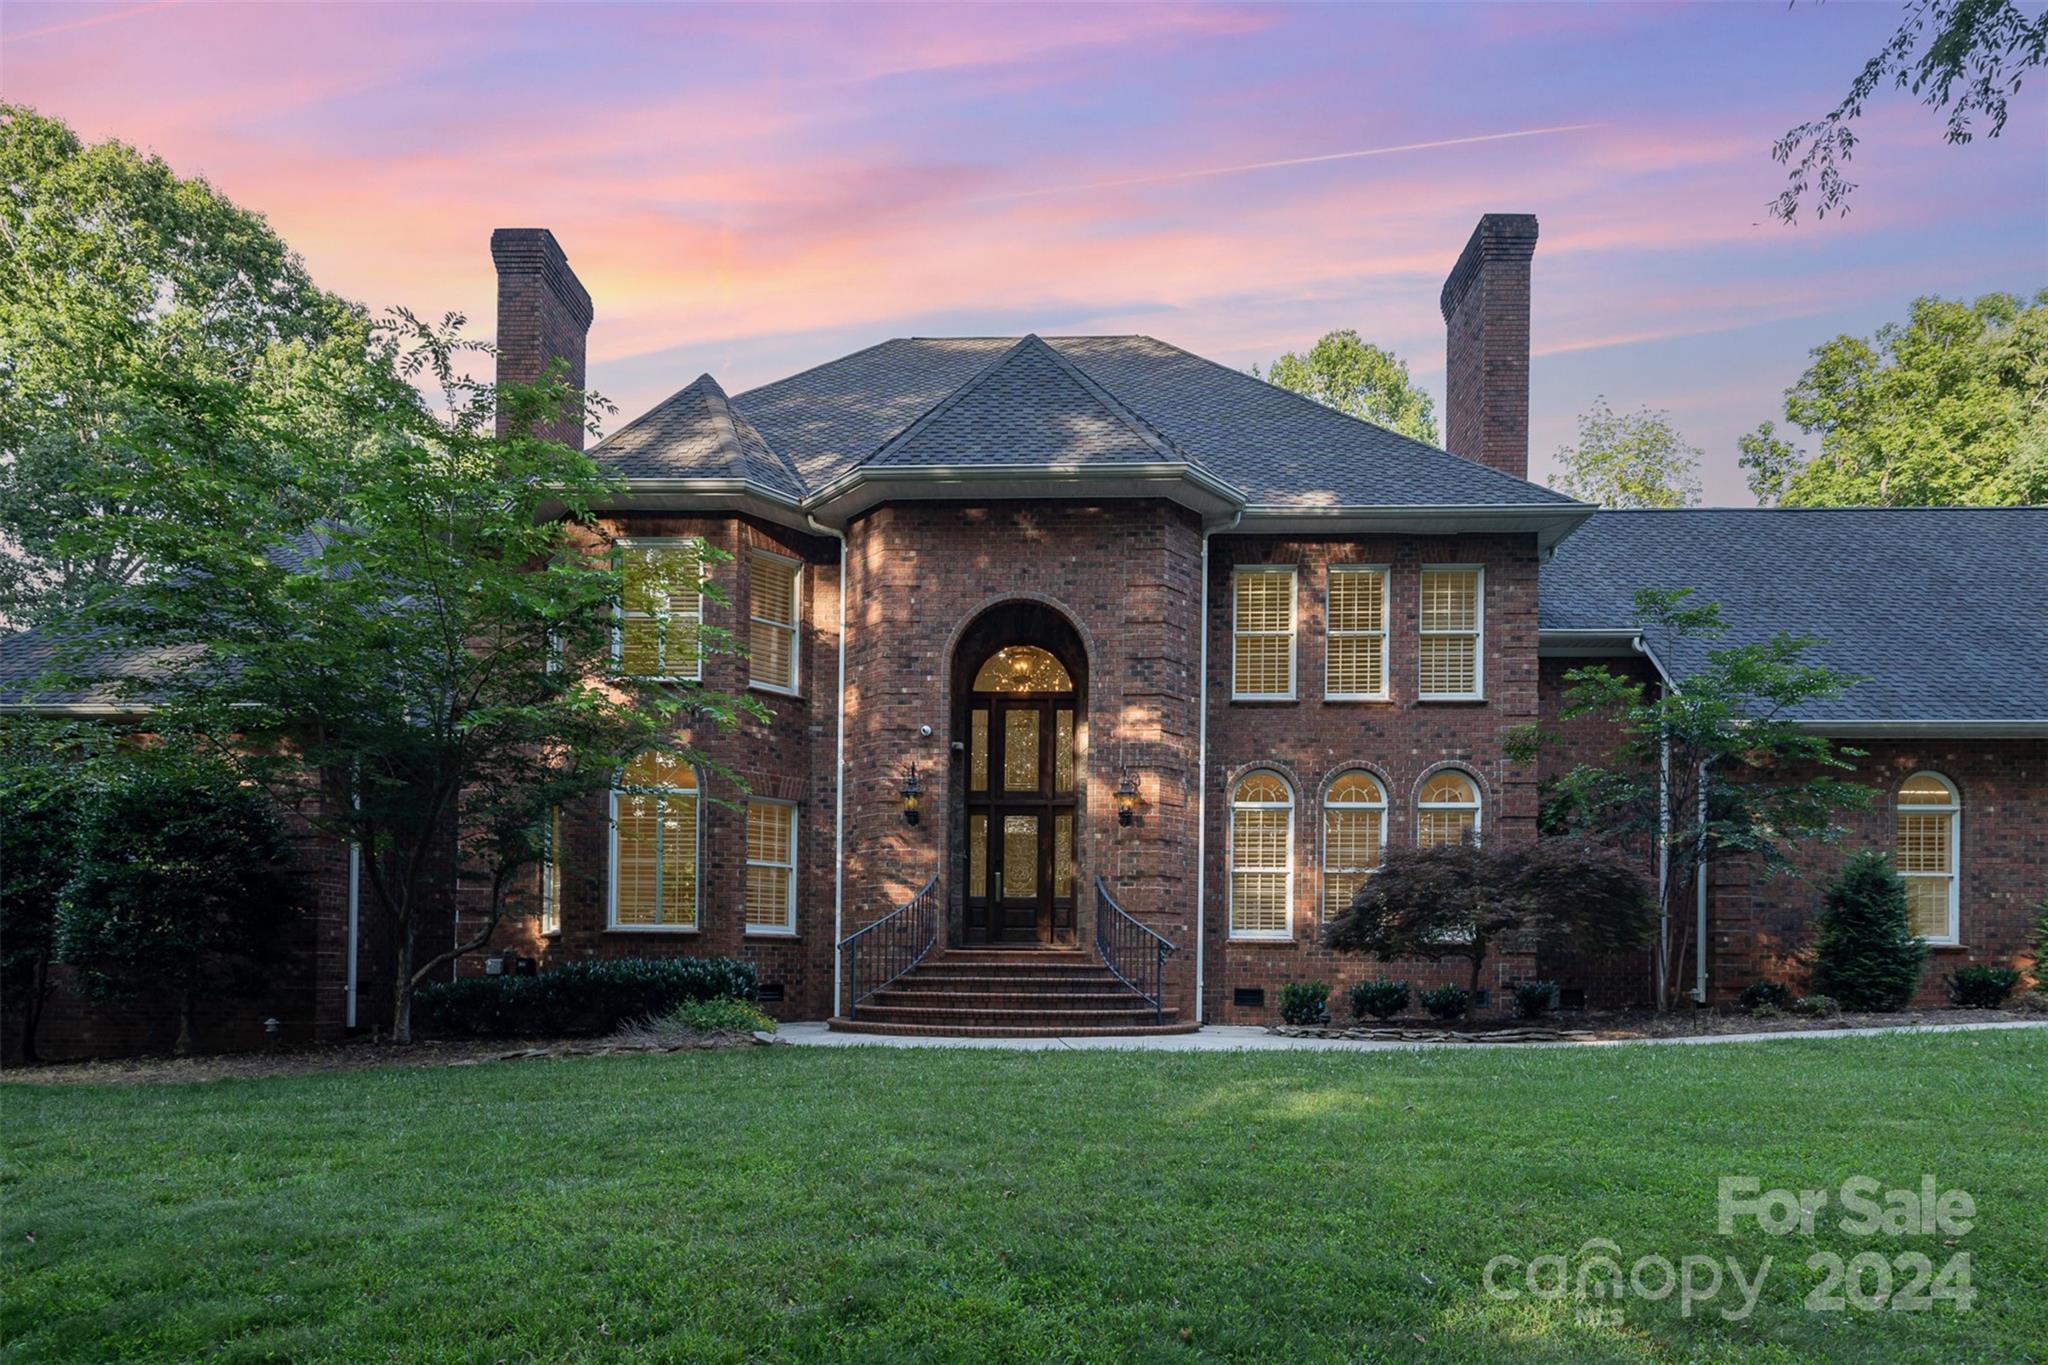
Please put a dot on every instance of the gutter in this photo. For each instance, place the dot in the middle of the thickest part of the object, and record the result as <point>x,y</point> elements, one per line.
<point>838,776</point>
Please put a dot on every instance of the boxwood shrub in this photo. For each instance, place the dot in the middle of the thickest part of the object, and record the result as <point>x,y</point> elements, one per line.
<point>577,997</point>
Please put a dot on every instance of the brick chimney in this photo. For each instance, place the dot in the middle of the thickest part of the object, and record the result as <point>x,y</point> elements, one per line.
<point>1486,333</point>
<point>543,314</point>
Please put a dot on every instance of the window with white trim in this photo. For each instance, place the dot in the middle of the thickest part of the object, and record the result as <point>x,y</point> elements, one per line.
<point>1262,622</point>
<point>1355,664</point>
<point>772,597</point>
<point>1452,655</point>
<point>1930,856</point>
<point>551,874</point>
<point>1262,857</point>
<point>771,867</point>
<point>660,609</point>
<point>654,844</point>
<point>1354,833</point>
<point>1447,810</point>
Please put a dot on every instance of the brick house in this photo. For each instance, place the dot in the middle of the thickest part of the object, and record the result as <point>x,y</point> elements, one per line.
<point>1167,655</point>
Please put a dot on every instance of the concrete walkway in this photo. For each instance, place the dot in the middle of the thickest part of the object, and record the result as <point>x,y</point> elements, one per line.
<point>1239,1038</point>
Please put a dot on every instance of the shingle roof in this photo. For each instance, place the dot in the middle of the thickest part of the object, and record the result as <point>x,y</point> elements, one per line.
<point>696,433</point>
<point>918,401</point>
<point>1944,611</point>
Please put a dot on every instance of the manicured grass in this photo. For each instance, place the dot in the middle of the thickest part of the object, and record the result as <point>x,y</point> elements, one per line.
<point>873,1204</point>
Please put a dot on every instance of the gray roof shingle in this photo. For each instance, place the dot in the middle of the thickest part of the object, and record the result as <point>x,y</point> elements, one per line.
<point>1069,400</point>
<point>696,433</point>
<point>1943,611</point>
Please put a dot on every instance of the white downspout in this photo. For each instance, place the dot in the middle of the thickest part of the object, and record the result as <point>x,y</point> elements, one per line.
<point>1202,776</point>
<point>838,775</point>
<point>1699,877</point>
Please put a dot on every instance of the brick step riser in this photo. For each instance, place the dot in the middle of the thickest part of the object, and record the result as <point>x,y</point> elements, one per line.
<point>1007,1000</point>
<point>1006,969</point>
<point>1052,1019</point>
<point>968,989</point>
<point>1001,1031</point>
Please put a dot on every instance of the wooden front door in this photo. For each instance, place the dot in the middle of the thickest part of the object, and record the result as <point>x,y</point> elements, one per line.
<point>1020,818</point>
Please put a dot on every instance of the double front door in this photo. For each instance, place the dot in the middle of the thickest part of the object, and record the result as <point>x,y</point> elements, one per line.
<point>1020,819</point>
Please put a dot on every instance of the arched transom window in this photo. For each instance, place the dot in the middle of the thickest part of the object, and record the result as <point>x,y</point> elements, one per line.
<point>1929,856</point>
<point>654,844</point>
<point>1023,668</point>
<point>1447,811</point>
<point>1354,832</point>
<point>1261,857</point>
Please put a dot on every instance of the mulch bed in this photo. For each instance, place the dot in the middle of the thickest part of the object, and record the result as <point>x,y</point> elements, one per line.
<point>1622,1025</point>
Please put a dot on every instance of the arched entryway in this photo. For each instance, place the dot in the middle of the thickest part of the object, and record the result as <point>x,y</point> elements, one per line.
<point>1020,724</point>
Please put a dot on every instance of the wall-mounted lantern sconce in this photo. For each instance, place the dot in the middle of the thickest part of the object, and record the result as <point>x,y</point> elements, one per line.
<point>1126,799</point>
<point>913,792</point>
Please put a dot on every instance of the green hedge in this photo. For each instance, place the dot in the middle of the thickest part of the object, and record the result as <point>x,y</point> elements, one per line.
<point>578,997</point>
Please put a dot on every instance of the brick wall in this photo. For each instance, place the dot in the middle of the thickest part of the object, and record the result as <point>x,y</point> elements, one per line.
<point>1761,926</point>
<point>1400,741</point>
<point>1485,304</point>
<point>789,758</point>
<point>1125,576</point>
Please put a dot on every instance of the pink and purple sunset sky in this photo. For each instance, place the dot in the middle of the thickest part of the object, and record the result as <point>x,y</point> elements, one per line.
<point>753,190</point>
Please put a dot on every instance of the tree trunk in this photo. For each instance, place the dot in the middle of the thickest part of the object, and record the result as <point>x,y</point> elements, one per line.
<point>401,987</point>
<point>1478,960</point>
<point>32,1012</point>
<point>183,1047</point>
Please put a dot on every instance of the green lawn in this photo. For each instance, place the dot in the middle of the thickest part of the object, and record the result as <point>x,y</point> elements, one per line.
<point>900,1204</point>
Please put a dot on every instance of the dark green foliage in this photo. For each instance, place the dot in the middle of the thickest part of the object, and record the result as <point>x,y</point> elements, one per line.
<point>1866,956</point>
<point>1305,1002</point>
<point>1534,999</point>
<point>45,769</point>
<point>1980,987</point>
<point>1380,999</point>
<point>2041,944</point>
<point>1463,900</point>
<point>578,997</point>
<point>1756,994</point>
<point>1446,1002</point>
<point>183,881</point>
<point>722,1015</point>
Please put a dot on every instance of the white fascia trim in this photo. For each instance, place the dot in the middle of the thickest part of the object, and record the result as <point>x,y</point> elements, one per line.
<point>707,495</point>
<point>1931,729</point>
<point>1550,524</point>
<point>74,708</point>
<point>861,488</point>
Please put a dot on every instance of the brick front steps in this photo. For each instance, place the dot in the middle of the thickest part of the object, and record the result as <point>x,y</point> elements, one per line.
<point>1009,993</point>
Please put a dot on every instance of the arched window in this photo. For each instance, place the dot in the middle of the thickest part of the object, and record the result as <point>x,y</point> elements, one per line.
<point>1447,811</point>
<point>1262,857</point>
<point>1354,832</point>
<point>1930,856</point>
<point>654,844</point>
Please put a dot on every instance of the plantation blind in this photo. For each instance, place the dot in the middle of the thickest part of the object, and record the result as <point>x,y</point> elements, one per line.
<point>661,607</point>
<point>1450,657</point>
<point>772,634</point>
<point>1261,857</point>
<point>1927,856</point>
<point>771,867</point>
<point>1356,665</point>
<point>1264,633</point>
<point>1354,832</point>
<point>1447,811</point>
<point>654,845</point>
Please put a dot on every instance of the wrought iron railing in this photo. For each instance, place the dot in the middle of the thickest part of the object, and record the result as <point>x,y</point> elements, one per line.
<point>1134,954</point>
<point>891,946</point>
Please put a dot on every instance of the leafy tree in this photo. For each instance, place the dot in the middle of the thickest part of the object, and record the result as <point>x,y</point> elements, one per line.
<point>416,621</point>
<point>46,768</point>
<point>1866,955</point>
<point>1744,780</point>
<point>183,879</point>
<point>1462,900</point>
<point>1357,377</point>
<point>123,287</point>
<point>1770,463</point>
<point>1985,47</point>
<point>1949,409</point>
<point>1635,459</point>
